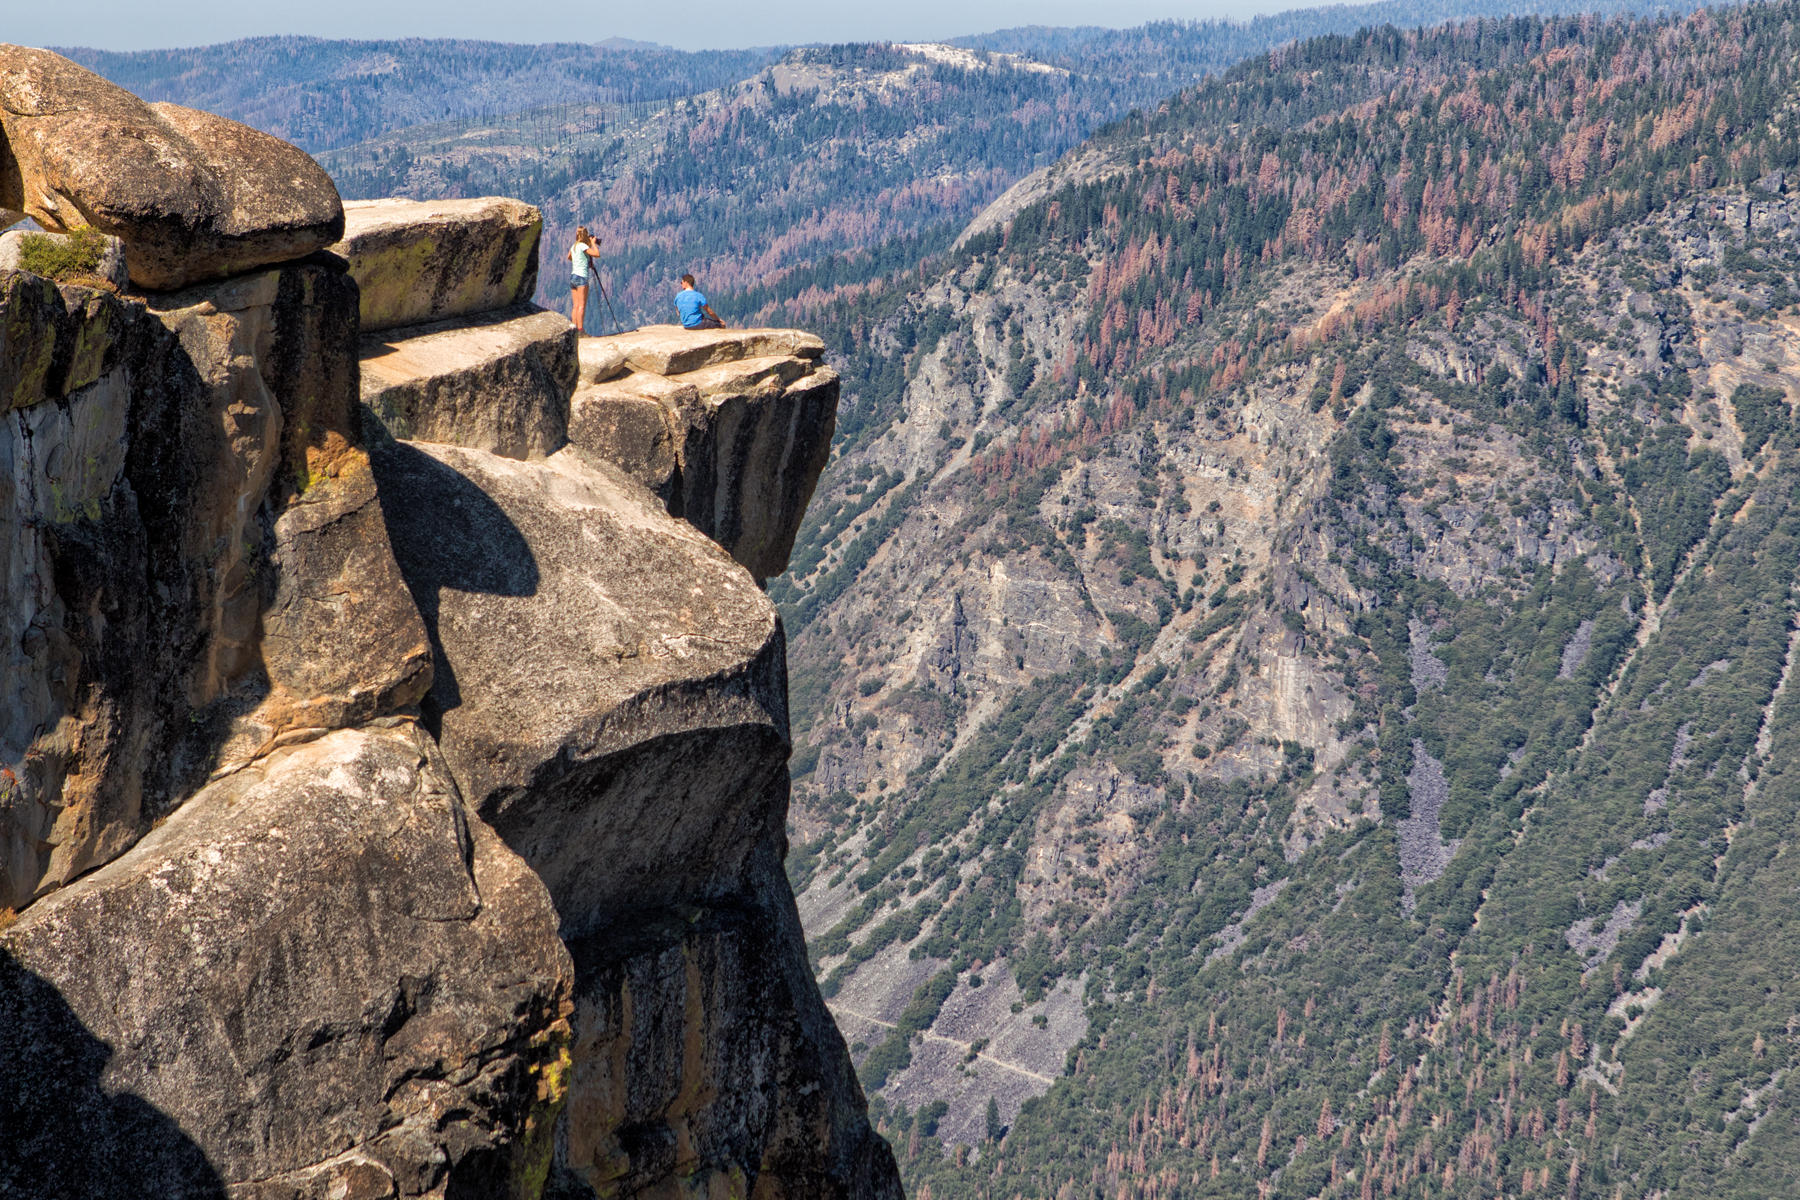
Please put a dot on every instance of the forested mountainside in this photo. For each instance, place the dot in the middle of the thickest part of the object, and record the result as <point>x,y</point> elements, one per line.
<point>323,93</point>
<point>1291,660</point>
<point>772,175</point>
<point>1173,49</point>
<point>831,167</point>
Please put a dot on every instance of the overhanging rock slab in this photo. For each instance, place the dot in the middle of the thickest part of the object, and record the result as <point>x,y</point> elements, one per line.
<point>748,414</point>
<point>498,382</point>
<point>419,261</point>
<point>610,688</point>
<point>750,460</point>
<point>672,350</point>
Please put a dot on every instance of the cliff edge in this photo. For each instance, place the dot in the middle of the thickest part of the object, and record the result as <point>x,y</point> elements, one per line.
<point>393,762</point>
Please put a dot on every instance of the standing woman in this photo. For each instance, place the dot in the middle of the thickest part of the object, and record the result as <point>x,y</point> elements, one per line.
<point>586,247</point>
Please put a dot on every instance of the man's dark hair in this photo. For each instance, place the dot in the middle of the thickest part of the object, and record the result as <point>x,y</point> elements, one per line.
<point>688,279</point>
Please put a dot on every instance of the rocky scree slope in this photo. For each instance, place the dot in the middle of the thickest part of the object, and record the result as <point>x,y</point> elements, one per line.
<point>1291,658</point>
<point>392,789</point>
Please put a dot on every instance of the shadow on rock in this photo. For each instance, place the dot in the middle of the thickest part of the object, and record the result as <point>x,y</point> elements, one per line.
<point>62,1135</point>
<point>447,534</point>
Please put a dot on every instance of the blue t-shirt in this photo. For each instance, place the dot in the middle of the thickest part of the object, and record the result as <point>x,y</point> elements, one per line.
<point>578,261</point>
<point>689,304</point>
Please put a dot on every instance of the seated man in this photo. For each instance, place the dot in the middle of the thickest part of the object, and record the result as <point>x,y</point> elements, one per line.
<point>695,312</point>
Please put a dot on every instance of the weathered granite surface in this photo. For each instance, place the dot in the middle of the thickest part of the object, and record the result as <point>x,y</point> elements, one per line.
<point>497,381</point>
<point>730,427</point>
<point>193,196</point>
<point>317,978</point>
<point>322,768</point>
<point>611,694</point>
<point>602,358</point>
<point>609,685</point>
<point>733,1095</point>
<point>418,261</point>
<point>168,579</point>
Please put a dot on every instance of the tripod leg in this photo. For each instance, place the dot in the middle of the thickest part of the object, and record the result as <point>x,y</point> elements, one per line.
<point>617,328</point>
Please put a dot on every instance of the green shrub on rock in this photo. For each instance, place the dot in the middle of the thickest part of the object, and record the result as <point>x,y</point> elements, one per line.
<point>71,258</point>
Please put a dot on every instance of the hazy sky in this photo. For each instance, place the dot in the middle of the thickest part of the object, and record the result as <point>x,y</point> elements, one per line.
<point>137,24</point>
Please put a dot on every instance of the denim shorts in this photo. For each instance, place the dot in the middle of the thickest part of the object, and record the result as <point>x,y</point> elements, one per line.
<point>577,281</point>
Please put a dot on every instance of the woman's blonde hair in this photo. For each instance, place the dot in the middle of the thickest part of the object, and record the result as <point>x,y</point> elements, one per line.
<point>582,235</point>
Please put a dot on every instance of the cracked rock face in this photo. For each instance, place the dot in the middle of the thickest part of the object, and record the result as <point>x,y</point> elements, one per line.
<point>738,1078</point>
<point>319,977</point>
<point>196,521</point>
<point>193,196</point>
<point>730,427</point>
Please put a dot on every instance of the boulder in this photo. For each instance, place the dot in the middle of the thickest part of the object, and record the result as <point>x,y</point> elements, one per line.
<point>610,687</point>
<point>192,195</point>
<point>747,434</point>
<point>672,350</point>
<point>320,977</point>
<point>418,261</point>
<point>498,382</point>
<point>102,265</point>
<point>190,519</point>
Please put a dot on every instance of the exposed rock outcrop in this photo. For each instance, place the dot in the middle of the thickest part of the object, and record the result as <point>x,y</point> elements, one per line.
<point>317,978</point>
<point>610,692</point>
<point>164,600</point>
<point>393,822</point>
<point>610,687</point>
<point>730,427</point>
<point>193,196</point>
<point>420,261</point>
<point>497,381</point>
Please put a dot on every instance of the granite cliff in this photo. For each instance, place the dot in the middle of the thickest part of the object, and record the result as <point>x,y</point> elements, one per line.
<point>393,762</point>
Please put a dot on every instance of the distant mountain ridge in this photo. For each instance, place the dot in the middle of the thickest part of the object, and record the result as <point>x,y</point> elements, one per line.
<point>686,164</point>
<point>322,93</point>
